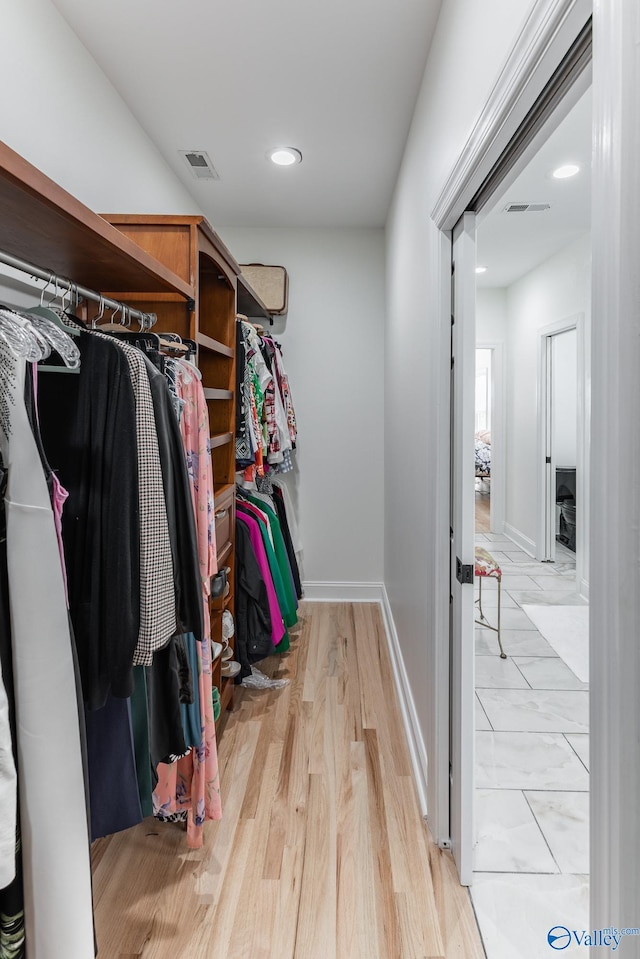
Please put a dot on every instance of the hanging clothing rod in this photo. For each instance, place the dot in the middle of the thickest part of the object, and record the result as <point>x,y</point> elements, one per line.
<point>145,319</point>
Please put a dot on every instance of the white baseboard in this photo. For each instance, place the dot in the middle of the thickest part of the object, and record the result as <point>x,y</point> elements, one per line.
<point>319,592</point>
<point>522,542</point>
<point>417,750</point>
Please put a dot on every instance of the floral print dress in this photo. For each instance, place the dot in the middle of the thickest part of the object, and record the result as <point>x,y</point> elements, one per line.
<point>190,787</point>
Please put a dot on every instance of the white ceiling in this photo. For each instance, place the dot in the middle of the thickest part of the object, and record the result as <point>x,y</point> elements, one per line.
<point>512,244</point>
<point>337,79</point>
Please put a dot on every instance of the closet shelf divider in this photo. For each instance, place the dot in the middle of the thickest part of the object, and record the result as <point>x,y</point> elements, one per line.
<point>215,394</point>
<point>224,552</point>
<point>220,439</point>
<point>214,346</point>
<point>223,490</point>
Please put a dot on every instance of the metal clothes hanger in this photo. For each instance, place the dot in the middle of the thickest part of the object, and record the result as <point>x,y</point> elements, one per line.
<point>99,314</point>
<point>47,311</point>
<point>112,326</point>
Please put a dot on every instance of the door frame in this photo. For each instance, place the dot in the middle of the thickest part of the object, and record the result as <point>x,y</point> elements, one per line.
<point>498,434</point>
<point>575,322</point>
<point>461,560</point>
<point>614,391</point>
<point>544,41</point>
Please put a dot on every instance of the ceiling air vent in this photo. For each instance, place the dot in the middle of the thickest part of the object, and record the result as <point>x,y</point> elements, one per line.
<point>527,207</point>
<point>200,164</point>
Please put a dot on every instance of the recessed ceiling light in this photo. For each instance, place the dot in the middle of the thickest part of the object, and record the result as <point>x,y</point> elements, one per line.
<point>481,269</point>
<point>285,156</point>
<point>564,172</point>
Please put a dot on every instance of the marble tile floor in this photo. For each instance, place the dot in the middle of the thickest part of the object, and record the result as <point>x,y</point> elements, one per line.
<point>532,779</point>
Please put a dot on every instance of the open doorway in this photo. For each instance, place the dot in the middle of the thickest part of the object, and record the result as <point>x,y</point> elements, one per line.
<point>531,768</point>
<point>484,383</point>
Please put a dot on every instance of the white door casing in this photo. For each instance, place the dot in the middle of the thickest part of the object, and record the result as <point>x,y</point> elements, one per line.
<point>546,37</point>
<point>614,582</point>
<point>545,545</point>
<point>463,381</point>
<point>614,390</point>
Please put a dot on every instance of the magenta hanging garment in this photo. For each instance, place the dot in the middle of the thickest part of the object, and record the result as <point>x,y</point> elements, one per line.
<point>277,624</point>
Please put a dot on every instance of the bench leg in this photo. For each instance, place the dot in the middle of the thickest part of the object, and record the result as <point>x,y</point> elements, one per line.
<point>480,597</point>
<point>503,655</point>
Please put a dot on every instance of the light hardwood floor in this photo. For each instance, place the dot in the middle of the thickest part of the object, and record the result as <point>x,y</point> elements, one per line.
<point>321,852</point>
<point>483,507</point>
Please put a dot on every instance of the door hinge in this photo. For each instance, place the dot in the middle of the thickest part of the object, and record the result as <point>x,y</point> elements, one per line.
<point>548,460</point>
<point>464,572</point>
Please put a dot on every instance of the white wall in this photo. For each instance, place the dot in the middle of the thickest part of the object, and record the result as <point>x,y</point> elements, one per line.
<point>471,42</point>
<point>59,111</point>
<point>557,289</point>
<point>565,398</point>
<point>491,315</point>
<point>333,350</point>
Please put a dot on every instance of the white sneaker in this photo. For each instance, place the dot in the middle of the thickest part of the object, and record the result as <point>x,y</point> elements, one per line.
<point>216,650</point>
<point>230,668</point>
<point>227,625</point>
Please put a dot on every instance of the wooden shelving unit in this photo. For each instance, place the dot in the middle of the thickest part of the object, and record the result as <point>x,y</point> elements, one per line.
<point>175,266</point>
<point>44,225</point>
<point>189,246</point>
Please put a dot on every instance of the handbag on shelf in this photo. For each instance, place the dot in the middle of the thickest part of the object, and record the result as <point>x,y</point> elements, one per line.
<point>271,283</point>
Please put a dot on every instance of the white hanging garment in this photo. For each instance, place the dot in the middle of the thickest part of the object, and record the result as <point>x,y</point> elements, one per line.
<point>57,871</point>
<point>8,796</point>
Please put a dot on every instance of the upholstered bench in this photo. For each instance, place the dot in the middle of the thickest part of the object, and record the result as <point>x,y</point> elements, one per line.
<point>486,565</point>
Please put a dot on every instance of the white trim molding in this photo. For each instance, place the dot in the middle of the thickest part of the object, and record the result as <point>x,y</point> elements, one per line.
<point>614,600</point>
<point>328,592</point>
<point>539,50</point>
<point>574,322</point>
<point>522,542</point>
<point>410,720</point>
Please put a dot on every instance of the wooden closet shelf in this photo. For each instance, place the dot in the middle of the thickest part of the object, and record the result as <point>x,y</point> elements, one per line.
<point>211,394</point>
<point>249,303</point>
<point>224,552</point>
<point>44,225</point>
<point>220,439</point>
<point>214,346</point>
<point>221,490</point>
